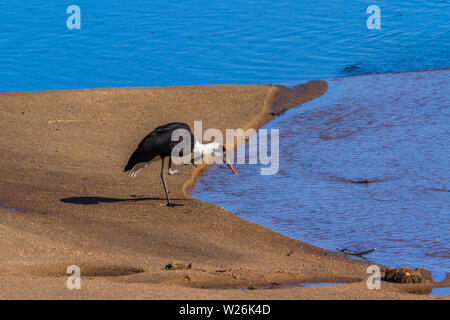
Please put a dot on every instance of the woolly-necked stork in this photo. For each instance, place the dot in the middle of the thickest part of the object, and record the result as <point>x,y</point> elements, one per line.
<point>159,143</point>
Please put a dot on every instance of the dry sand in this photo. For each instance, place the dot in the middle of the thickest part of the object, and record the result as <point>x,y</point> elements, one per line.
<point>65,201</point>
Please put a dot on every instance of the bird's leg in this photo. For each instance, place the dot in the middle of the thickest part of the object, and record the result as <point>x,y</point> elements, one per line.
<point>170,171</point>
<point>169,204</point>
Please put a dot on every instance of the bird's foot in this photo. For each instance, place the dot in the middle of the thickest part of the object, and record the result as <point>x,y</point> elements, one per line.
<point>170,204</point>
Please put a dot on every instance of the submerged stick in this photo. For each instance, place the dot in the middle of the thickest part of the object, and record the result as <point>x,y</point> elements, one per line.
<point>356,254</point>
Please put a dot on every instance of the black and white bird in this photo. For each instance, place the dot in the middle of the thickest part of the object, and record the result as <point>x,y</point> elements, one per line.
<point>159,144</point>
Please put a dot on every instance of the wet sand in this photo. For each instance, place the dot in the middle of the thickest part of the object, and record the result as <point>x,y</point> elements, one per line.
<point>65,201</point>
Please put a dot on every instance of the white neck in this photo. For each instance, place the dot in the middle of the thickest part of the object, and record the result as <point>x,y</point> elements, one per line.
<point>206,149</point>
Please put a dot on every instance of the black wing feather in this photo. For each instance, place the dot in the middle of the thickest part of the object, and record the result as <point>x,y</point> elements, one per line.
<point>156,143</point>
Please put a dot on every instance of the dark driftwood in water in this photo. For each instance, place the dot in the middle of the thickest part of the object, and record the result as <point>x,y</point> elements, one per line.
<point>362,181</point>
<point>356,254</point>
<point>365,181</point>
<point>442,190</point>
<point>351,68</point>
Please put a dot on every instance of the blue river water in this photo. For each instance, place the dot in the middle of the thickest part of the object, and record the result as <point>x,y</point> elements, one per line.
<point>154,43</point>
<point>392,128</point>
<point>365,166</point>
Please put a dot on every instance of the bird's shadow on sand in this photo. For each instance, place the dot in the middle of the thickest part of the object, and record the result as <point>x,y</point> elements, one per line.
<point>87,200</point>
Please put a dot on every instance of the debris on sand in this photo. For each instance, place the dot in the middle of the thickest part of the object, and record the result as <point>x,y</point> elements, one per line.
<point>178,266</point>
<point>62,121</point>
<point>407,275</point>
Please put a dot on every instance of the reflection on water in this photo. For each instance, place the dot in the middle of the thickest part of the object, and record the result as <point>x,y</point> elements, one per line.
<point>440,291</point>
<point>10,209</point>
<point>365,166</point>
<point>315,284</point>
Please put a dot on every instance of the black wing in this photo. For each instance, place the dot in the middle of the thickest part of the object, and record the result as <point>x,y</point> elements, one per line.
<point>157,143</point>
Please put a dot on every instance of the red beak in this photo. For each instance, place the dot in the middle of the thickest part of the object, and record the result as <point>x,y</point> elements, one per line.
<point>232,168</point>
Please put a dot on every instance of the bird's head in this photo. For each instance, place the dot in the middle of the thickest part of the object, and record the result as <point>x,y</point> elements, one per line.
<point>221,152</point>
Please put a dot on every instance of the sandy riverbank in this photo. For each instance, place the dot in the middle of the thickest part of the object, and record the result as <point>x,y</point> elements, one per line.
<point>64,201</point>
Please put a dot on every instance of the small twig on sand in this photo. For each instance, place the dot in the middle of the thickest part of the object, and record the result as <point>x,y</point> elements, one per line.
<point>63,121</point>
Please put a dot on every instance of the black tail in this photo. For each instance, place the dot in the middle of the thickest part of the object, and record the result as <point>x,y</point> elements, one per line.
<point>139,156</point>
<point>131,162</point>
